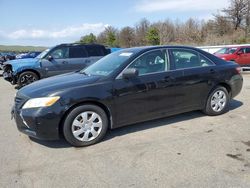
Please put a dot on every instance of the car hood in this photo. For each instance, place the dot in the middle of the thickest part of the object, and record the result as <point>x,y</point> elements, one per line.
<point>57,84</point>
<point>22,62</point>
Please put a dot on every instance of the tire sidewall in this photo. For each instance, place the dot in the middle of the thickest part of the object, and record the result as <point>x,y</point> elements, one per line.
<point>208,110</point>
<point>67,125</point>
<point>22,74</point>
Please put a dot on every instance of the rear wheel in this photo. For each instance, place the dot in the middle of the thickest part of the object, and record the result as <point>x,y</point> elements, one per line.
<point>217,102</point>
<point>85,125</point>
<point>26,78</point>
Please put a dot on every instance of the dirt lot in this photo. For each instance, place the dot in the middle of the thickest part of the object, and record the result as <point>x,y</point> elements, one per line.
<point>188,150</point>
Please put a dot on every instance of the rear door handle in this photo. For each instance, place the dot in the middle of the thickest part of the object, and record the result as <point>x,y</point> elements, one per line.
<point>212,71</point>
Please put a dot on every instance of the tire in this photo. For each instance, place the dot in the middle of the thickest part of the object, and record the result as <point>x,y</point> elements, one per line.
<point>85,125</point>
<point>26,78</point>
<point>217,102</point>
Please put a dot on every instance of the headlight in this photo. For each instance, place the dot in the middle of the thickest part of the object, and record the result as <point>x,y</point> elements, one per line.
<point>41,102</point>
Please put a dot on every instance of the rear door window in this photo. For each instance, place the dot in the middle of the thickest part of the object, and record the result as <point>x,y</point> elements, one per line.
<point>77,52</point>
<point>247,50</point>
<point>185,58</point>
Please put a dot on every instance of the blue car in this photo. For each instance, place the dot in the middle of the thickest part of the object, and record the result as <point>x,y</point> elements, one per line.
<point>28,55</point>
<point>60,59</point>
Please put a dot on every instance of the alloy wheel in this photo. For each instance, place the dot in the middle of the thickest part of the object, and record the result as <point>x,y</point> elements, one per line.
<point>27,79</point>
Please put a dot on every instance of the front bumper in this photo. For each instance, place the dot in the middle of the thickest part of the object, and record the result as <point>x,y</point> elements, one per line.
<point>8,76</point>
<point>40,123</point>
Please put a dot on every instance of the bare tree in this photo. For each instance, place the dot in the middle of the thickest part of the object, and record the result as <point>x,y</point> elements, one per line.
<point>166,31</point>
<point>127,37</point>
<point>141,30</point>
<point>247,19</point>
<point>108,37</point>
<point>236,12</point>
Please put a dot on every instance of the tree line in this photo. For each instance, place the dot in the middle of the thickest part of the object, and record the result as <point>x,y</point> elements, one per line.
<point>230,25</point>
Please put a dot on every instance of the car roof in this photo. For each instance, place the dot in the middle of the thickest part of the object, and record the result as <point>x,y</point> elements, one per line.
<point>236,47</point>
<point>147,48</point>
<point>79,44</point>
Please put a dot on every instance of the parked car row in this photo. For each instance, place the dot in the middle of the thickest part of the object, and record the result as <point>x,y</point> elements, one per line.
<point>240,55</point>
<point>4,56</point>
<point>7,56</point>
<point>60,59</point>
<point>32,54</point>
<point>124,87</point>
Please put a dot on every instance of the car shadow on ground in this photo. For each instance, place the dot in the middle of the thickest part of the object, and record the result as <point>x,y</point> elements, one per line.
<point>234,104</point>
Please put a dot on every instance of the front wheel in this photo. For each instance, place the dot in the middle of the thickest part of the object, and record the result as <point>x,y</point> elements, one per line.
<point>85,125</point>
<point>26,78</point>
<point>217,102</point>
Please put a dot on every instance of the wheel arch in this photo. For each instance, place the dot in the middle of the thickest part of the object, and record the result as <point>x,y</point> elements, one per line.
<point>223,84</point>
<point>227,86</point>
<point>87,102</point>
<point>30,70</point>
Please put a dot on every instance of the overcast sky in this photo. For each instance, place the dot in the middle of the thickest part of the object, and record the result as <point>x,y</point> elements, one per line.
<point>51,22</point>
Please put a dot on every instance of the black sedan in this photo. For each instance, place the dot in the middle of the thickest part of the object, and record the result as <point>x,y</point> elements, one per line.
<point>126,87</point>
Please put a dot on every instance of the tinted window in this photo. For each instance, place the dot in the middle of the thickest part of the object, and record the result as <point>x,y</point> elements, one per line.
<point>95,51</point>
<point>60,53</point>
<point>183,58</point>
<point>108,64</point>
<point>77,52</point>
<point>247,50</point>
<point>205,61</point>
<point>243,50</point>
<point>226,51</point>
<point>151,62</point>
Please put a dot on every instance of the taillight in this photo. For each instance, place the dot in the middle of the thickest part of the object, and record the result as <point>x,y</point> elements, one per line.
<point>238,69</point>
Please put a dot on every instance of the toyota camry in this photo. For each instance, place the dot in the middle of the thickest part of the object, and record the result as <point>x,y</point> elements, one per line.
<point>126,87</point>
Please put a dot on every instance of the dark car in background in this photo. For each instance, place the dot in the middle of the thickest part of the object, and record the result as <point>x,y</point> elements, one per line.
<point>60,59</point>
<point>5,56</point>
<point>28,55</point>
<point>126,87</point>
<point>240,55</point>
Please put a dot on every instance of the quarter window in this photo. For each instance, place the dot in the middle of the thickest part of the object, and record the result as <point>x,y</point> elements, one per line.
<point>151,62</point>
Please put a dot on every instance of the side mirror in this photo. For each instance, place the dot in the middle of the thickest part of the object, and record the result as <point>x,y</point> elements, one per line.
<point>239,53</point>
<point>50,58</point>
<point>130,73</point>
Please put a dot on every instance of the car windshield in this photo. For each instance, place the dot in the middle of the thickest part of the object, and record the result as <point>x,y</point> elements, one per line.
<point>107,64</point>
<point>43,54</point>
<point>226,51</point>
